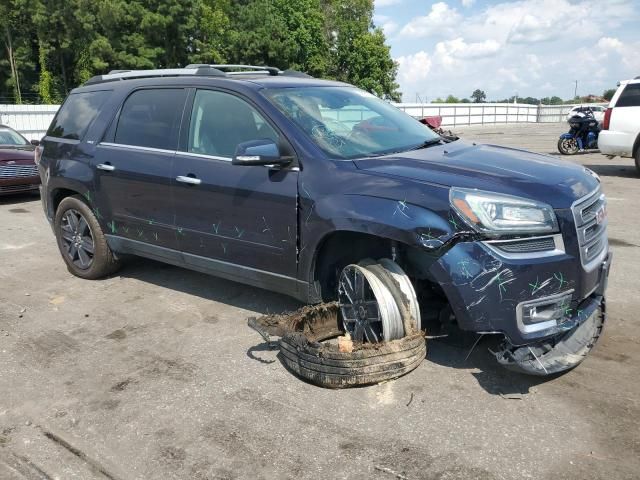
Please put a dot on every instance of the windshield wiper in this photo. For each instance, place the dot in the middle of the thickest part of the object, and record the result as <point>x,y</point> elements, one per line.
<point>426,144</point>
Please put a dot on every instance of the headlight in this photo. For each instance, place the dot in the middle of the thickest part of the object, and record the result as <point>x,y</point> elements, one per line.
<point>494,213</point>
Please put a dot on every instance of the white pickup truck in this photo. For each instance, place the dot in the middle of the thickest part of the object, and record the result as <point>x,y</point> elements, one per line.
<point>620,133</point>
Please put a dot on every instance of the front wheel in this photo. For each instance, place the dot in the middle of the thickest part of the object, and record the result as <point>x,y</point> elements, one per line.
<point>638,160</point>
<point>81,241</point>
<point>567,146</point>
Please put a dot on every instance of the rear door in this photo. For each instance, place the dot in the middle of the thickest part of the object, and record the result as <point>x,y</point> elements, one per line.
<point>134,168</point>
<point>240,215</point>
<point>625,116</point>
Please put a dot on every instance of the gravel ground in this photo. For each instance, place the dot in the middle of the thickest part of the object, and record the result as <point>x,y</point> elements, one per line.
<point>153,374</point>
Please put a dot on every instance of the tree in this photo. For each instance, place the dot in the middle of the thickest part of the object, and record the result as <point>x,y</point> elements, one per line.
<point>359,54</point>
<point>609,93</point>
<point>452,99</point>
<point>52,46</point>
<point>555,100</point>
<point>478,96</point>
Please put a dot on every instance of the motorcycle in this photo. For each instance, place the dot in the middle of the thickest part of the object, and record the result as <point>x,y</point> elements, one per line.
<point>583,134</point>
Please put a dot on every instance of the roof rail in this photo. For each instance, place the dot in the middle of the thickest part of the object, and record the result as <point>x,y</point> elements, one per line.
<point>239,69</point>
<point>113,75</point>
<point>199,69</point>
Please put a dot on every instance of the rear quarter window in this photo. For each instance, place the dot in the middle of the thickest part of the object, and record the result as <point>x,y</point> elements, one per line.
<point>630,96</point>
<point>151,118</point>
<point>76,114</point>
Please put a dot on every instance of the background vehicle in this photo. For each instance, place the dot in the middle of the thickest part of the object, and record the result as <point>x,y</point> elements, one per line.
<point>582,135</point>
<point>621,126</point>
<point>597,110</point>
<point>322,191</point>
<point>18,171</point>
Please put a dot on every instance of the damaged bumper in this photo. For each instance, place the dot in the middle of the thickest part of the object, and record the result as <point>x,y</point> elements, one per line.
<point>547,307</point>
<point>561,352</point>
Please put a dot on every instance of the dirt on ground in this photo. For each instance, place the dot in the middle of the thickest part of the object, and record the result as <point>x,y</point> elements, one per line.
<point>153,374</point>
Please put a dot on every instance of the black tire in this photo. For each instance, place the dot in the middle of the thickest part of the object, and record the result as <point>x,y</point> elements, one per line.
<point>637,159</point>
<point>102,261</point>
<point>562,147</point>
<point>332,369</point>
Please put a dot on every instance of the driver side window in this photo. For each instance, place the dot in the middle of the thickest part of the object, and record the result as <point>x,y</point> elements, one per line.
<point>221,121</point>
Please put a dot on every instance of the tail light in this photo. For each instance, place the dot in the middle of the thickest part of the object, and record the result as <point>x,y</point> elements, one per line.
<point>607,119</point>
<point>37,154</point>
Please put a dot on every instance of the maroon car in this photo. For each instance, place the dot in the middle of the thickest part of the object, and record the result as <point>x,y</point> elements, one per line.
<point>18,171</point>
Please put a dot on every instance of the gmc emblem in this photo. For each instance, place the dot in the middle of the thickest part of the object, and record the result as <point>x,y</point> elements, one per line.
<point>601,215</point>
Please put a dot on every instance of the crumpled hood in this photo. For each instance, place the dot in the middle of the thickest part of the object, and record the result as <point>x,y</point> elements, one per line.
<point>489,167</point>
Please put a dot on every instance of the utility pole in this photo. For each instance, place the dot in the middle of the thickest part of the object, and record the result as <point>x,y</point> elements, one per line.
<point>575,91</point>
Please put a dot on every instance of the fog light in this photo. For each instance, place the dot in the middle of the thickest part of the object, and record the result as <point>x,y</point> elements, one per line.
<point>543,313</point>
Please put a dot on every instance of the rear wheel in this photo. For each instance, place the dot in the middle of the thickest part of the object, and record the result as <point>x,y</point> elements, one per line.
<point>637,158</point>
<point>568,146</point>
<point>81,241</point>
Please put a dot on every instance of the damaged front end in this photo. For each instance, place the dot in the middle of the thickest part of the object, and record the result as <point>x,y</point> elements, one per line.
<point>544,293</point>
<point>560,352</point>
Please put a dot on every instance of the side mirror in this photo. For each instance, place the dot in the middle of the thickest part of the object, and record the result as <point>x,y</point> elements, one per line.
<point>259,152</point>
<point>35,142</point>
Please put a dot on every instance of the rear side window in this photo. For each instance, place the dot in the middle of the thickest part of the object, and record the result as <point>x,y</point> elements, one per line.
<point>151,118</point>
<point>630,96</point>
<point>76,114</point>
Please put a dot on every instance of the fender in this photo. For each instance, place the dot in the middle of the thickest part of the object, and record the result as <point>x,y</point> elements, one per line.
<point>566,135</point>
<point>81,183</point>
<point>401,221</point>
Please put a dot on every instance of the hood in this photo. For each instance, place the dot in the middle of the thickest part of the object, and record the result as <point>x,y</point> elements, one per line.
<point>489,167</point>
<point>20,155</point>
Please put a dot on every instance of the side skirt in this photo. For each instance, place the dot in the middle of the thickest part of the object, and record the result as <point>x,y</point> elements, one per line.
<point>230,271</point>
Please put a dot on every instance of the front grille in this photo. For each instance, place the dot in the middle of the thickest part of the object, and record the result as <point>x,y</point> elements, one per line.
<point>591,225</point>
<point>17,188</point>
<point>527,246</point>
<point>13,171</point>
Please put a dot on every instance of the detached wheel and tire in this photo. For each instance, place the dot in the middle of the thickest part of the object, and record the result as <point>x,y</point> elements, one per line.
<point>568,146</point>
<point>380,311</point>
<point>81,241</point>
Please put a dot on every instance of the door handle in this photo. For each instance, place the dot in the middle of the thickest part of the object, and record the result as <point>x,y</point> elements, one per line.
<point>189,180</point>
<point>107,167</point>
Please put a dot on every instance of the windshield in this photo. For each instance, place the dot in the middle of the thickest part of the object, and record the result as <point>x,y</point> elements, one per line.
<point>346,122</point>
<point>9,137</point>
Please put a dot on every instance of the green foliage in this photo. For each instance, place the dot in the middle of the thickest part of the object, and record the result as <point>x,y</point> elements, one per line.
<point>59,44</point>
<point>478,96</point>
<point>608,94</point>
<point>551,101</point>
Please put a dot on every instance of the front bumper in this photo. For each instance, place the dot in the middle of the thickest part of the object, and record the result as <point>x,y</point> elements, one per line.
<point>487,291</point>
<point>10,186</point>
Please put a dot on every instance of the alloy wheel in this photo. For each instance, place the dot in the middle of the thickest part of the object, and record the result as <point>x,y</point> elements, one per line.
<point>77,239</point>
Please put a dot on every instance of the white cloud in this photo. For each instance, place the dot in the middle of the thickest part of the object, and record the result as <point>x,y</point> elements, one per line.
<point>535,47</point>
<point>459,49</point>
<point>441,19</point>
<point>468,3</point>
<point>608,43</point>
<point>414,68</point>
<point>389,27</point>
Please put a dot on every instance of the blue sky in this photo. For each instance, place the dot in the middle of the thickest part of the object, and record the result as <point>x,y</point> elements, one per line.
<point>533,48</point>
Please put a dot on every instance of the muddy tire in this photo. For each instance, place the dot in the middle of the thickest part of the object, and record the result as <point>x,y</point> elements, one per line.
<point>332,369</point>
<point>81,241</point>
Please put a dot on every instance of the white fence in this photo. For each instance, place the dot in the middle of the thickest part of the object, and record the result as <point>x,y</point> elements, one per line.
<point>30,120</point>
<point>33,120</point>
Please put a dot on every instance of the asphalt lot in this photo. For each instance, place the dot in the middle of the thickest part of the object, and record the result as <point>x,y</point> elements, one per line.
<point>153,374</point>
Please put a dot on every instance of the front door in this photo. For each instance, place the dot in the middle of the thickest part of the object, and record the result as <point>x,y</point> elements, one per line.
<point>236,215</point>
<point>134,168</point>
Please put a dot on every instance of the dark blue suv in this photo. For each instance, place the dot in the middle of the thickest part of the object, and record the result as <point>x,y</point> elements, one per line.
<point>322,191</point>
